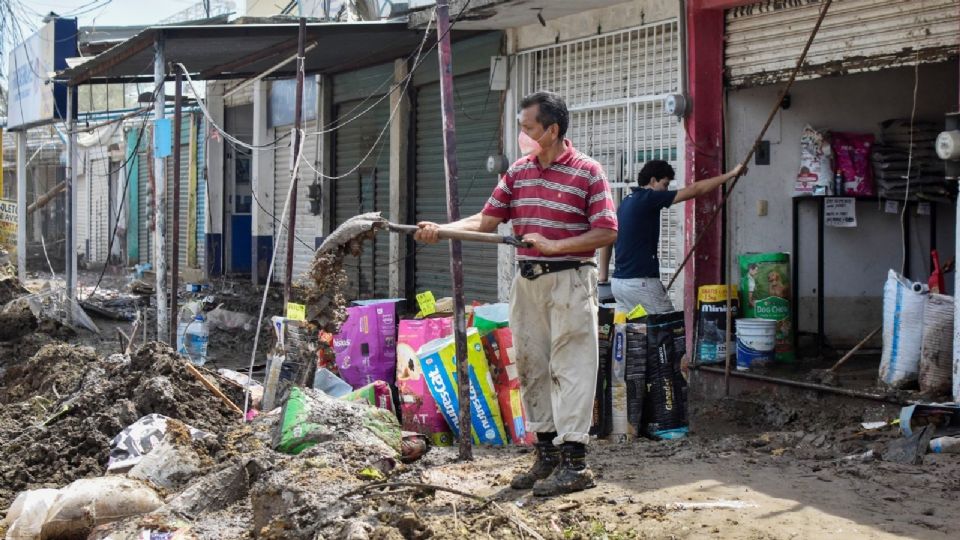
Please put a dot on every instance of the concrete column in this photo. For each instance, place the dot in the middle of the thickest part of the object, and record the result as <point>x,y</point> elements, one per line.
<point>704,125</point>
<point>262,185</point>
<point>160,196</point>
<point>399,139</point>
<point>506,255</point>
<point>22,204</point>
<point>214,174</point>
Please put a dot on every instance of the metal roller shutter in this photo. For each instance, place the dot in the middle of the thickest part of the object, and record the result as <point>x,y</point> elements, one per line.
<point>366,189</point>
<point>83,205</point>
<point>100,219</point>
<point>614,85</point>
<point>184,192</point>
<point>307,224</point>
<point>478,136</point>
<point>764,39</point>
<point>145,201</point>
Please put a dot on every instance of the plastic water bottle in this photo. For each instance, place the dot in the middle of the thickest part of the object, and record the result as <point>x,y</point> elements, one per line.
<point>945,445</point>
<point>192,339</point>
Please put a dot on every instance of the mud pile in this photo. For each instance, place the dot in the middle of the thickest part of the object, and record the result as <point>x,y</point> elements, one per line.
<point>64,406</point>
<point>326,280</point>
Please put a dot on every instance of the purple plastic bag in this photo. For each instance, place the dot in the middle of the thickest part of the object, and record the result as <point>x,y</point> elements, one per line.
<point>366,347</point>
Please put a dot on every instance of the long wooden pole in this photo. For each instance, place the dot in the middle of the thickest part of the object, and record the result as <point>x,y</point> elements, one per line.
<point>175,252</point>
<point>453,214</point>
<point>297,126</point>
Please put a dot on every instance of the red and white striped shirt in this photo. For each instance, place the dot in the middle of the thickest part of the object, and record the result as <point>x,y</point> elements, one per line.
<point>566,199</point>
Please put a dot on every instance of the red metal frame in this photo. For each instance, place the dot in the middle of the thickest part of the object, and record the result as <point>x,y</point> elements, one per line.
<point>704,144</point>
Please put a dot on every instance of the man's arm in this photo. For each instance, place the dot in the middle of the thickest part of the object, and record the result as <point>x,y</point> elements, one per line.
<point>604,262</point>
<point>430,232</point>
<point>703,187</point>
<point>593,239</point>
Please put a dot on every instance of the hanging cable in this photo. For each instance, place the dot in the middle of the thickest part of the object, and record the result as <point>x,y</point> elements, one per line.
<point>906,194</point>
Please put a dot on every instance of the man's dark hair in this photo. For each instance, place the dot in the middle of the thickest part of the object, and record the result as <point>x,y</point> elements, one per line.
<point>656,168</point>
<point>551,110</point>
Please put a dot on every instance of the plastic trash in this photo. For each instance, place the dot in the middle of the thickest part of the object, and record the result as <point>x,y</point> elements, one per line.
<point>328,383</point>
<point>89,502</point>
<point>192,339</point>
<point>224,319</point>
<point>945,445</point>
<point>28,512</point>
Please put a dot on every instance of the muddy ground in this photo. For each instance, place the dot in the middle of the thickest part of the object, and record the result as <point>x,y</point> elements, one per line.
<point>756,466</point>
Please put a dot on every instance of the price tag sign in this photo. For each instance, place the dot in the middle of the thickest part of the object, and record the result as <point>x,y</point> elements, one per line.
<point>637,312</point>
<point>296,312</point>
<point>427,303</point>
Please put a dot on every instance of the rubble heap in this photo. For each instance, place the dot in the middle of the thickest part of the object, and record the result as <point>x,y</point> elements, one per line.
<point>65,405</point>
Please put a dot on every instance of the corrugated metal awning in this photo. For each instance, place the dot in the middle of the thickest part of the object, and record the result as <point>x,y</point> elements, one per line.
<point>233,51</point>
<point>764,39</point>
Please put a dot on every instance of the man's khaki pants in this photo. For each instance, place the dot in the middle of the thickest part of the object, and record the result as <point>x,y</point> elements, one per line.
<point>554,324</point>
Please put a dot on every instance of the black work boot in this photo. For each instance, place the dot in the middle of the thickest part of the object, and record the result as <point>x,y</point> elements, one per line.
<point>548,457</point>
<point>572,475</point>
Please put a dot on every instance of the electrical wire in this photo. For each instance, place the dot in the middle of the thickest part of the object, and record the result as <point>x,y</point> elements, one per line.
<point>906,194</point>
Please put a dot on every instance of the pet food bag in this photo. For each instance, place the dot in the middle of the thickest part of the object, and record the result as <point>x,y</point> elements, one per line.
<point>439,364</point>
<point>417,407</point>
<point>376,394</point>
<point>602,423</point>
<point>815,166</point>
<point>711,345</point>
<point>852,153</point>
<point>903,305</point>
<point>366,348</point>
<point>498,345</point>
<point>765,294</point>
<point>665,403</point>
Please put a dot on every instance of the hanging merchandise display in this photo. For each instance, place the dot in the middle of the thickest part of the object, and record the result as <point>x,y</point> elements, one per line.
<point>815,163</point>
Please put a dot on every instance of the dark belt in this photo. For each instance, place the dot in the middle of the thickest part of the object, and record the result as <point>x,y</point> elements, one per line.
<point>535,269</point>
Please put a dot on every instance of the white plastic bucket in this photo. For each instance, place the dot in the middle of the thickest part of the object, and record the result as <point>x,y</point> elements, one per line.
<point>756,340</point>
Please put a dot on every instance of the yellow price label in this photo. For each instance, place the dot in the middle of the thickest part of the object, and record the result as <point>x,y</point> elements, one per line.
<point>296,312</point>
<point>636,313</point>
<point>427,303</point>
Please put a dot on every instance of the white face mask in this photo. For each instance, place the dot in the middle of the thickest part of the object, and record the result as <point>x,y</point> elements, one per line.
<point>528,145</point>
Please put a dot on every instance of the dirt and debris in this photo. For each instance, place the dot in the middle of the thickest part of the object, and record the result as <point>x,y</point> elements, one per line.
<point>70,404</point>
<point>326,281</point>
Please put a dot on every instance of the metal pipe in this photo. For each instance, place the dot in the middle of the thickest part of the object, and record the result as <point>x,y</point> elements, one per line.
<point>70,233</point>
<point>21,204</point>
<point>445,56</point>
<point>298,129</point>
<point>807,385</point>
<point>160,196</point>
<point>175,251</point>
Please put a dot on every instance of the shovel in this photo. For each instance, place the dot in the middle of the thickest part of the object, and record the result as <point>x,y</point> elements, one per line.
<point>372,221</point>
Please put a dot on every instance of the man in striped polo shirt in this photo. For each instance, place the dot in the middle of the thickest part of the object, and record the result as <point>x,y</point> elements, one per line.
<point>557,200</point>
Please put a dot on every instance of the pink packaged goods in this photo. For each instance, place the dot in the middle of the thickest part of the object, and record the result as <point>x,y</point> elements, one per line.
<point>852,155</point>
<point>499,348</point>
<point>418,409</point>
<point>365,348</point>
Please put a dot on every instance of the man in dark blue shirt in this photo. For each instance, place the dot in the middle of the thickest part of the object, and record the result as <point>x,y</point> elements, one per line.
<point>636,276</point>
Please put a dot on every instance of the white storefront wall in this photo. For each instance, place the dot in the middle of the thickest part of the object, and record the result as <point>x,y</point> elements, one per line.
<point>856,260</point>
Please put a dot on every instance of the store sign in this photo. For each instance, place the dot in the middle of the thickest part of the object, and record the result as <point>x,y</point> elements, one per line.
<point>840,212</point>
<point>34,99</point>
<point>8,225</point>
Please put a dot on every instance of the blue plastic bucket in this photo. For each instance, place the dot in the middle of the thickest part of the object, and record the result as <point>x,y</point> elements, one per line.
<point>756,341</point>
